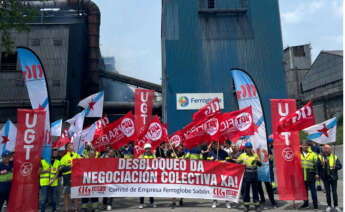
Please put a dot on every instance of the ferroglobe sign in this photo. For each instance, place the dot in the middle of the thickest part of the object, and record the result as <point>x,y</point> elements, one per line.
<point>195,101</point>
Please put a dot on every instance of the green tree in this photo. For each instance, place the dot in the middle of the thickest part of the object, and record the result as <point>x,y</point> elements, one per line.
<point>14,15</point>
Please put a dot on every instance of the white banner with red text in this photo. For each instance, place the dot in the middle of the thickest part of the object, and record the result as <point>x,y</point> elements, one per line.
<point>161,177</point>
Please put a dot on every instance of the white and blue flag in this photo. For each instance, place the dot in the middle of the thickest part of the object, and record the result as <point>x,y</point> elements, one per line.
<point>93,105</point>
<point>55,128</point>
<point>324,132</point>
<point>76,123</point>
<point>8,135</point>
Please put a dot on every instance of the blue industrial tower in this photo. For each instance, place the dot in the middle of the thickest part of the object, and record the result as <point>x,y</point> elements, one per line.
<point>202,40</point>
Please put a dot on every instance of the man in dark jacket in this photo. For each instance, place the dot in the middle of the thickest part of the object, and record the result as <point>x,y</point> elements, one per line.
<point>328,165</point>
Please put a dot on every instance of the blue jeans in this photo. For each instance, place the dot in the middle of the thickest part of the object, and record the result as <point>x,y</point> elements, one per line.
<point>45,190</point>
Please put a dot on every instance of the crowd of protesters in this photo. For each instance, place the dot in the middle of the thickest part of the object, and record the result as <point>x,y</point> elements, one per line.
<point>55,178</point>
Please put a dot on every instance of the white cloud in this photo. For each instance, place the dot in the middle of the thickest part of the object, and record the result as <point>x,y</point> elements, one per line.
<point>302,11</point>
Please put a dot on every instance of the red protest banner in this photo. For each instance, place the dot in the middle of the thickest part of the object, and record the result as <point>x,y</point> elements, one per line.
<point>299,120</point>
<point>143,103</point>
<point>161,177</point>
<point>197,132</point>
<point>62,140</point>
<point>209,110</point>
<point>117,134</point>
<point>236,124</point>
<point>154,134</point>
<point>287,153</point>
<point>27,160</point>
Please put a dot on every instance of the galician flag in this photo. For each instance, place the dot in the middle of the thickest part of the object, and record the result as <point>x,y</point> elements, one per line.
<point>8,135</point>
<point>93,105</point>
<point>55,128</point>
<point>76,123</point>
<point>324,132</point>
<point>79,139</point>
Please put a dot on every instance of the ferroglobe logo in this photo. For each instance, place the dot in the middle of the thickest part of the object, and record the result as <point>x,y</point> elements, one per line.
<point>183,101</point>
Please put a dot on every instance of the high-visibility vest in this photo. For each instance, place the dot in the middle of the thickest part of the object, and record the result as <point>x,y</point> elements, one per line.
<point>308,163</point>
<point>45,177</point>
<point>247,160</point>
<point>174,156</point>
<point>53,170</point>
<point>67,160</point>
<point>332,160</point>
<point>6,177</point>
<point>147,156</point>
<point>194,156</point>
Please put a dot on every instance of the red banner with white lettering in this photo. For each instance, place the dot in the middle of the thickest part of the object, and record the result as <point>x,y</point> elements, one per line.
<point>287,153</point>
<point>302,118</point>
<point>143,103</point>
<point>198,132</point>
<point>154,134</point>
<point>27,161</point>
<point>236,124</point>
<point>208,111</point>
<point>161,177</point>
<point>117,134</point>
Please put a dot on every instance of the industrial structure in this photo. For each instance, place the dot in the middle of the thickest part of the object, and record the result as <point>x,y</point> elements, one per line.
<point>297,63</point>
<point>320,82</point>
<point>65,36</point>
<point>202,40</point>
<point>323,85</point>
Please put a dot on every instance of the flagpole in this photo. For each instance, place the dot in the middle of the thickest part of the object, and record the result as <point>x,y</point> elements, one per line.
<point>172,149</point>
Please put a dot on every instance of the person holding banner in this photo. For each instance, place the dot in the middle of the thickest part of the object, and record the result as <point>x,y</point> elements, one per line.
<point>251,161</point>
<point>108,201</point>
<point>49,174</point>
<point>94,201</point>
<point>181,155</point>
<point>147,155</point>
<point>6,174</point>
<point>309,159</point>
<point>66,169</point>
<point>328,165</point>
<point>218,154</point>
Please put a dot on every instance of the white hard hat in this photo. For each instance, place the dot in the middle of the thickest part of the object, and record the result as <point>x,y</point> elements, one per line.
<point>147,146</point>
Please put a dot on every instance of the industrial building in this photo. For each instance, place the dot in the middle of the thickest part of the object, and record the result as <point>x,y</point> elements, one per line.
<point>296,63</point>
<point>65,36</point>
<point>323,85</point>
<point>202,40</point>
<point>320,82</point>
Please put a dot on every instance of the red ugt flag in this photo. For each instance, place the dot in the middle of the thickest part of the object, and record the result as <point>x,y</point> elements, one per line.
<point>143,103</point>
<point>154,134</point>
<point>117,134</point>
<point>27,161</point>
<point>299,120</point>
<point>236,124</point>
<point>287,153</point>
<point>208,111</point>
<point>198,132</point>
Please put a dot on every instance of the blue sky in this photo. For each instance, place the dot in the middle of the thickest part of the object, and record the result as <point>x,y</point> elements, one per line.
<point>130,31</point>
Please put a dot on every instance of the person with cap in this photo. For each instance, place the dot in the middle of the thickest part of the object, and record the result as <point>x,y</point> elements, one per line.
<point>108,201</point>
<point>328,165</point>
<point>128,151</point>
<point>66,169</point>
<point>49,174</point>
<point>6,175</point>
<point>180,154</point>
<point>94,201</point>
<point>268,185</point>
<point>250,179</point>
<point>147,155</point>
<point>309,160</point>
<point>217,153</point>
